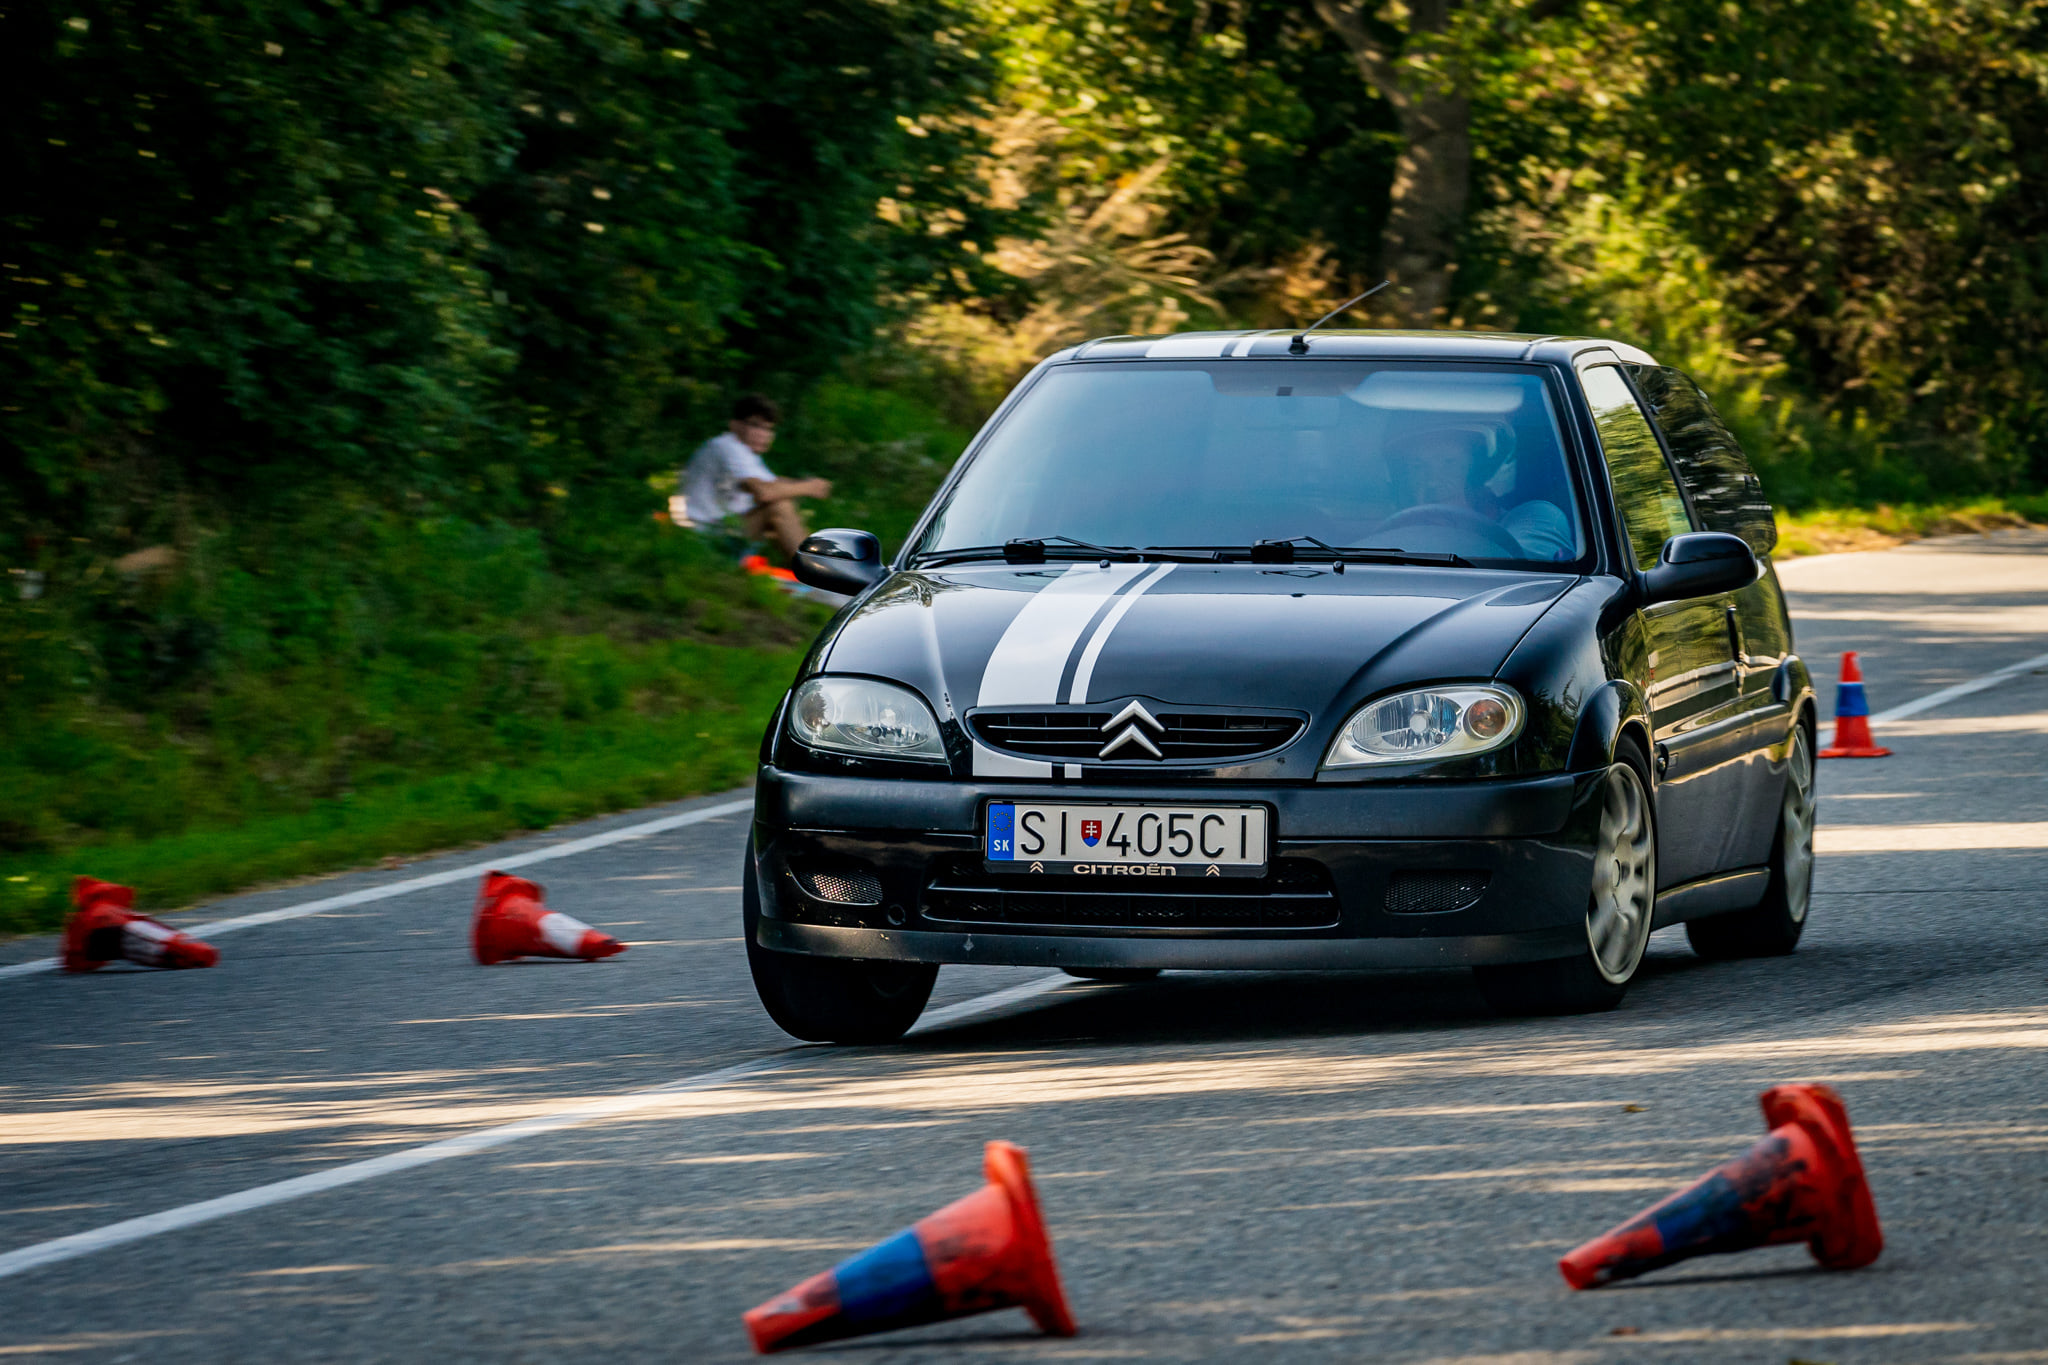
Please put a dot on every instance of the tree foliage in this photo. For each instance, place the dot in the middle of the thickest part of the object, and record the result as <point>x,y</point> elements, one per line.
<point>479,252</point>
<point>1834,212</point>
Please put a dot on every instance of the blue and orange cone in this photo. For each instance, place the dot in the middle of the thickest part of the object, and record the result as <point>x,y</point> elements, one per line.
<point>1852,716</point>
<point>1802,1183</point>
<point>978,1254</point>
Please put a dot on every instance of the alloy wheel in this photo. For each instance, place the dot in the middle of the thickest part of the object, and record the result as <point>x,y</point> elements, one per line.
<point>1624,877</point>
<point>1796,826</point>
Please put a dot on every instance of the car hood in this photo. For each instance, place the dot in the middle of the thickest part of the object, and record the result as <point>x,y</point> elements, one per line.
<point>1303,639</point>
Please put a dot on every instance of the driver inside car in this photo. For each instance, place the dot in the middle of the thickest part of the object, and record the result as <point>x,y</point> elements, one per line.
<point>1467,470</point>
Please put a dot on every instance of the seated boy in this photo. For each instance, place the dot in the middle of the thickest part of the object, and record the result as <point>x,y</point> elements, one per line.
<point>728,478</point>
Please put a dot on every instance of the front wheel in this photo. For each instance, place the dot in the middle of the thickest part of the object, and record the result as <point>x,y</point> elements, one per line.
<point>1618,912</point>
<point>830,999</point>
<point>1772,927</point>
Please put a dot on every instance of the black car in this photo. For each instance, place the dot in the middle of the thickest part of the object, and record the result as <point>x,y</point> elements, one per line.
<point>1337,651</point>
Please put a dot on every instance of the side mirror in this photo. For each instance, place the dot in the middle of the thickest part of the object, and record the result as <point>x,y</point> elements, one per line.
<point>1699,565</point>
<point>839,560</point>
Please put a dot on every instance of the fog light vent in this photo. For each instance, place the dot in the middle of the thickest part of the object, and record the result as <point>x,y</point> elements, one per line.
<point>1433,891</point>
<point>843,886</point>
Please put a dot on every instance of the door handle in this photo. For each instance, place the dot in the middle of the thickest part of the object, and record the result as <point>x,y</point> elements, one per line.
<point>1734,619</point>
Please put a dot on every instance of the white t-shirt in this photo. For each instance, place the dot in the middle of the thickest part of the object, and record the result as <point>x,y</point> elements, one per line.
<point>711,481</point>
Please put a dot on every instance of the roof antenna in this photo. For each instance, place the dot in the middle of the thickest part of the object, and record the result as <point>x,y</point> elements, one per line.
<point>1299,346</point>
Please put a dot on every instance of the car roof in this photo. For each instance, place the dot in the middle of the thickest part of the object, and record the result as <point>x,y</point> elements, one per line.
<point>1352,343</point>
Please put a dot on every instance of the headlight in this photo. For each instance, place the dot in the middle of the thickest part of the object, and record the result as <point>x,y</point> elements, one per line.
<point>1426,725</point>
<point>860,716</point>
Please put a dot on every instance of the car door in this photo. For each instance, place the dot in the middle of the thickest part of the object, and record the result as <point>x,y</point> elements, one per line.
<point>1727,496</point>
<point>1690,679</point>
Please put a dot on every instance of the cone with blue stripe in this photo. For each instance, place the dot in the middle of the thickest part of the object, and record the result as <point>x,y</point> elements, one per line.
<point>1852,716</point>
<point>1802,1183</point>
<point>978,1254</point>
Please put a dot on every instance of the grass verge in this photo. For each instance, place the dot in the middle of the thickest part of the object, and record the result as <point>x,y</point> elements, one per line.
<point>1835,530</point>
<point>573,771</point>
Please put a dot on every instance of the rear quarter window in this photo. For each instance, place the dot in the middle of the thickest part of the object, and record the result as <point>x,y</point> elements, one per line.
<point>1725,490</point>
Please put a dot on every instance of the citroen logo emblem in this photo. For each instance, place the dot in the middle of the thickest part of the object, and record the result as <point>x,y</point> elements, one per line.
<point>1135,720</point>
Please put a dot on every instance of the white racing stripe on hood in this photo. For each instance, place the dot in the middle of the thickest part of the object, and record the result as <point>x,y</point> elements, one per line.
<point>1085,672</point>
<point>1025,666</point>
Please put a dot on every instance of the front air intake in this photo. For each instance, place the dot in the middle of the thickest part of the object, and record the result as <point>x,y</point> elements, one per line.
<point>1433,891</point>
<point>841,885</point>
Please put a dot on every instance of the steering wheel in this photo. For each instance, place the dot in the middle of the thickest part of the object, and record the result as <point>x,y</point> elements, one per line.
<point>1457,519</point>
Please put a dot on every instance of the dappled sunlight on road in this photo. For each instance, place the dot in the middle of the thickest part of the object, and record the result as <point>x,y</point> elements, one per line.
<point>1939,838</point>
<point>1843,1332</point>
<point>1920,727</point>
<point>402,1104</point>
<point>1375,1130</point>
<point>989,1082</point>
<point>87,1341</point>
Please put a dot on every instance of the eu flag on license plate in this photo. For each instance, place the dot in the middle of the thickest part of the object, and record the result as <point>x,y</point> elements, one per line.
<point>1002,832</point>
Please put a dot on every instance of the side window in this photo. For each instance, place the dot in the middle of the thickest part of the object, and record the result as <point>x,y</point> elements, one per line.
<point>1724,489</point>
<point>1647,495</point>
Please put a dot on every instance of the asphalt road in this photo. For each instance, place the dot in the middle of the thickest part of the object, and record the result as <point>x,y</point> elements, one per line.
<point>1329,1167</point>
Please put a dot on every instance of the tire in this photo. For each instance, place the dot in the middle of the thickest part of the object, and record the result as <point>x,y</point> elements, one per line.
<point>1772,927</point>
<point>1619,910</point>
<point>830,999</point>
<point>1113,973</point>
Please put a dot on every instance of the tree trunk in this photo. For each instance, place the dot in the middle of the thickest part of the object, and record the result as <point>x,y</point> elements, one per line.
<point>1433,176</point>
<point>1426,211</point>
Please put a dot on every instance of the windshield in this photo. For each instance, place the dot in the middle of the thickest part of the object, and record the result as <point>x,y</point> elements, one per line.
<point>1428,459</point>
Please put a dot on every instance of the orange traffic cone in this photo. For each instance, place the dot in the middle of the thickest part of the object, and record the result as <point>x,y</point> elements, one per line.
<point>511,921</point>
<point>1802,1183</point>
<point>1852,716</point>
<point>104,929</point>
<point>977,1254</point>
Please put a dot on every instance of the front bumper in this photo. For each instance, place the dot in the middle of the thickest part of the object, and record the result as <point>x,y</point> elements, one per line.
<point>1387,875</point>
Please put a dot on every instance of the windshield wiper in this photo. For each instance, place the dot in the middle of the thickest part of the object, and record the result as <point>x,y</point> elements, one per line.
<point>1286,552</point>
<point>1028,552</point>
<point>962,555</point>
<point>1039,550</point>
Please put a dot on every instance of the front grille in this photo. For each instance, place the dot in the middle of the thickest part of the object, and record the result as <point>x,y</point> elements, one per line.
<point>1433,891</point>
<point>1296,894</point>
<point>1190,736</point>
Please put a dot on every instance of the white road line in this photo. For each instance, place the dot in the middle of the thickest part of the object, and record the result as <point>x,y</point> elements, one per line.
<point>1961,689</point>
<point>355,1172</point>
<point>432,879</point>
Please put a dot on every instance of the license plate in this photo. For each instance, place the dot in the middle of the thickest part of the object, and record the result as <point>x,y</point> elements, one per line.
<point>1126,841</point>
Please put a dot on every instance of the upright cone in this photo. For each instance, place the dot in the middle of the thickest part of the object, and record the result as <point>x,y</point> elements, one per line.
<point>511,921</point>
<point>977,1254</point>
<point>1852,716</point>
<point>103,928</point>
<point>1802,1183</point>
